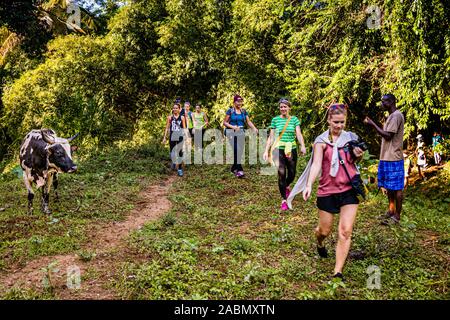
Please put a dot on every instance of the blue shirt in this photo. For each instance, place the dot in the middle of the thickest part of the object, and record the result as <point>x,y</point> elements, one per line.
<point>436,140</point>
<point>237,119</point>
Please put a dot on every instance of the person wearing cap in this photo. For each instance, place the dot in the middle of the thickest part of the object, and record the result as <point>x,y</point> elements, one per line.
<point>391,172</point>
<point>235,119</point>
<point>421,158</point>
<point>284,148</point>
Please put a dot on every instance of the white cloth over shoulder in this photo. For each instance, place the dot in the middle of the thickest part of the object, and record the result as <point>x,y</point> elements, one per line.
<point>345,137</point>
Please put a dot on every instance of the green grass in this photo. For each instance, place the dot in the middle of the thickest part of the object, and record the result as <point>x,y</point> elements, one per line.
<point>104,189</point>
<point>226,239</point>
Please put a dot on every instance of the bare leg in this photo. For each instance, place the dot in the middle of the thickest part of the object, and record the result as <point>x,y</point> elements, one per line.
<point>324,227</point>
<point>420,172</point>
<point>391,197</point>
<point>346,221</point>
<point>399,202</point>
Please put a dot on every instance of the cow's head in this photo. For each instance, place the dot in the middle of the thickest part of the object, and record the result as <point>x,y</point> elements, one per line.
<point>59,152</point>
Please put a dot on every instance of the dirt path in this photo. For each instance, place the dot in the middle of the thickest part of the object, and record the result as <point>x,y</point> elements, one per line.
<point>108,244</point>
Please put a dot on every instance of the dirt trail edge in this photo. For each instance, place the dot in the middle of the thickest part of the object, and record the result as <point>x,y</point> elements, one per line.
<point>108,243</point>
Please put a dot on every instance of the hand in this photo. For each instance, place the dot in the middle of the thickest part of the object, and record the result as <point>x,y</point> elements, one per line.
<point>164,140</point>
<point>256,131</point>
<point>358,152</point>
<point>367,120</point>
<point>303,150</point>
<point>236,128</point>
<point>265,156</point>
<point>306,193</point>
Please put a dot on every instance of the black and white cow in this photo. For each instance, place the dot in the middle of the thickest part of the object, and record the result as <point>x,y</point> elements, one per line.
<point>42,156</point>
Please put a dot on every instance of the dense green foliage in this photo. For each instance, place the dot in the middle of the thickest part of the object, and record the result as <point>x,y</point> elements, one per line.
<point>112,85</point>
<point>114,80</point>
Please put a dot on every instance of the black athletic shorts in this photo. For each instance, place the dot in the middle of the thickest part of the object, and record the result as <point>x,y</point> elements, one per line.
<point>334,202</point>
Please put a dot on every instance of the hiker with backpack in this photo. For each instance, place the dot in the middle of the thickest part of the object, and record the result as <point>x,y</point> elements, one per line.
<point>283,148</point>
<point>235,119</point>
<point>333,156</point>
<point>176,125</point>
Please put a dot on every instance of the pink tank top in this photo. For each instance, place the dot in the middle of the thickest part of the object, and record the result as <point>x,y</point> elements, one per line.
<point>329,185</point>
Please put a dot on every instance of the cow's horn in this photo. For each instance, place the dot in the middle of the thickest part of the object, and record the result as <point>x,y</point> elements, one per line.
<point>47,137</point>
<point>73,137</point>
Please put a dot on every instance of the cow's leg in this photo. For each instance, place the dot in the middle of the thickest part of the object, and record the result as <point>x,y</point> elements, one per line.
<point>55,186</point>
<point>46,194</point>
<point>30,193</point>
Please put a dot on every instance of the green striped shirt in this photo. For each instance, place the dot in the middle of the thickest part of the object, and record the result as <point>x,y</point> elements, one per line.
<point>278,124</point>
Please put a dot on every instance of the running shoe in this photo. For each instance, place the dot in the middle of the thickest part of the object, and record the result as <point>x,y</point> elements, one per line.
<point>393,220</point>
<point>284,206</point>
<point>322,251</point>
<point>385,216</point>
<point>180,172</point>
<point>339,276</point>
<point>240,174</point>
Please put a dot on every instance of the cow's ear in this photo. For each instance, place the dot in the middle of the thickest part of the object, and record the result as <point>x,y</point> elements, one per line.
<point>73,148</point>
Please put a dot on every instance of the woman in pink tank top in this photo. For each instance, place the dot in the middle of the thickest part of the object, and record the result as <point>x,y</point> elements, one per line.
<point>335,194</point>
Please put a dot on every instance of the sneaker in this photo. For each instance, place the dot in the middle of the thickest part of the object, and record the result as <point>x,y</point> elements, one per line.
<point>240,174</point>
<point>392,220</point>
<point>288,192</point>
<point>284,206</point>
<point>339,276</point>
<point>180,172</point>
<point>322,251</point>
<point>385,216</point>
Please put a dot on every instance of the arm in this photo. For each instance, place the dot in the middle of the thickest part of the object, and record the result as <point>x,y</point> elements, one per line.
<point>251,125</point>
<point>184,126</point>
<point>206,120</point>
<point>166,131</point>
<point>186,119</point>
<point>268,144</point>
<point>358,153</point>
<point>300,139</point>
<point>315,169</point>
<point>227,124</point>
<point>385,134</point>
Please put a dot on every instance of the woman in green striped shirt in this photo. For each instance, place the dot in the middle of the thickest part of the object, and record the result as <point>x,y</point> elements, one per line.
<point>285,128</point>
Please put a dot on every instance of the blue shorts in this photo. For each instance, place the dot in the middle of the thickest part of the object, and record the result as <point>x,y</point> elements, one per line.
<point>391,175</point>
